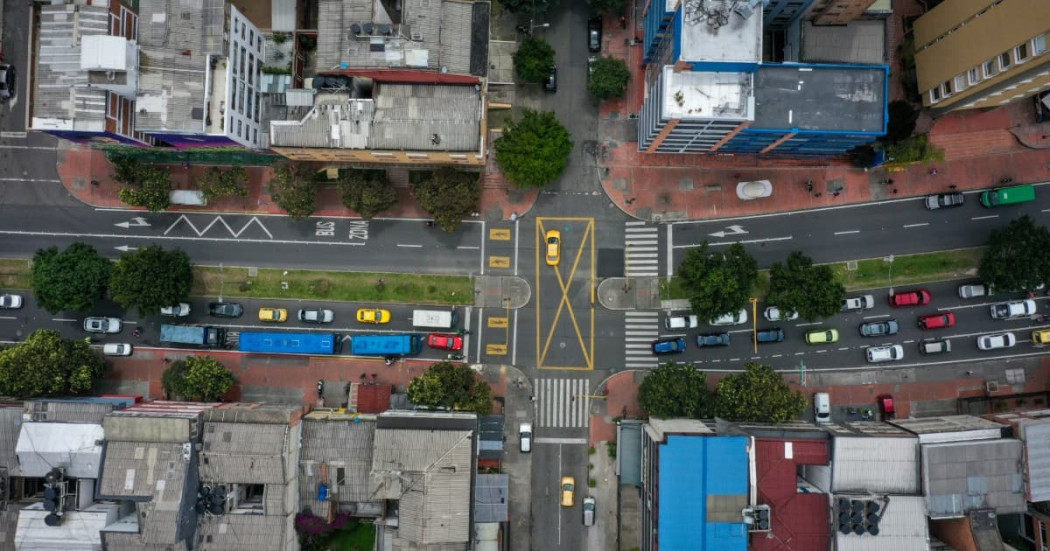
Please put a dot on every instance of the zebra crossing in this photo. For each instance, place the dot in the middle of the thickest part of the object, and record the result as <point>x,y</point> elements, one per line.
<point>641,250</point>
<point>640,329</point>
<point>563,403</point>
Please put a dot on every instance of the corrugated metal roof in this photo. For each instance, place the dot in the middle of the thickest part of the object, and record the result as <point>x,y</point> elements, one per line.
<point>346,449</point>
<point>1036,436</point>
<point>964,476</point>
<point>878,464</point>
<point>247,533</point>
<point>247,453</point>
<point>282,15</point>
<point>903,528</point>
<point>156,471</point>
<point>10,427</point>
<point>76,447</point>
<point>68,411</point>
<point>60,86</point>
<point>491,498</point>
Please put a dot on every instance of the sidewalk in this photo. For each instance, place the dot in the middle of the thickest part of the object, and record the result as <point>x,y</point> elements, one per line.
<point>88,176</point>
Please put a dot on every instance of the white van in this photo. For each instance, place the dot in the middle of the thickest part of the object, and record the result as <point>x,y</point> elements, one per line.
<point>822,407</point>
<point>117,349</point>
<point>525,436</point>
<point>435,319</point>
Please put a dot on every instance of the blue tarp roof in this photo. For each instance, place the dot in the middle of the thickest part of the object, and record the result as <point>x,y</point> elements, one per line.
<point>692,470</point>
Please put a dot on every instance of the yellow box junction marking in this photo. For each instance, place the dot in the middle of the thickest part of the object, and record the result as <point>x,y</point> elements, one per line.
<point>543,345</point>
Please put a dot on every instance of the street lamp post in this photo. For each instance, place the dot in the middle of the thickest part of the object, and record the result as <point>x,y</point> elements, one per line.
<point>754,322</point>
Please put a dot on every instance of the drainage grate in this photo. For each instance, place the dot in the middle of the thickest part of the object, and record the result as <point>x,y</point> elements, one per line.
<point>851,265</point>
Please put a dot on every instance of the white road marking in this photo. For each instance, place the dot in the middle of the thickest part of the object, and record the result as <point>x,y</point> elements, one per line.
<point>62,319</point>
<point>985,217</point>
<point>876,317</point>
<point>808,324</point>
<point>21,135</point>
<point>34,180</point>
<point>847,232</point>
<point>218,219</point>
<point>744,242</point>
<point>10,318</point>
<point>916,225</point>
<point>409,246</point>
<point>468,248</point>
<point>581,441</point>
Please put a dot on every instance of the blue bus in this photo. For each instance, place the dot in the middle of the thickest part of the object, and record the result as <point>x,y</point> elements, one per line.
<point>386,345</point>
<point>288,343</point>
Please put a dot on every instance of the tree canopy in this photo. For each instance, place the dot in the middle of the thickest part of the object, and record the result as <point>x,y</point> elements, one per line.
<point>151,278</point>
<point>366,192</point>
<point>534,151</point>
<point>1017,257</point>
<point>217,183</point>
<point>607,7</point>
<point>675,390</point>
<point>759,394</point>
<point>449,195</point>
<point>45,364</point>
<point>145,185</point>
<point>73,279</point>
<point>533,60</point>
<point>718,283</point>
<point>292,188</point>
<point>449,385</point>
<point>608,78</point>
<point>902,121</point>
<point>198,379</point>
<point>810,290</point>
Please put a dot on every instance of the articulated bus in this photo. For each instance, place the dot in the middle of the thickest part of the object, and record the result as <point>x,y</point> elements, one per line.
<point>386,345</point>
<point>289,343</point>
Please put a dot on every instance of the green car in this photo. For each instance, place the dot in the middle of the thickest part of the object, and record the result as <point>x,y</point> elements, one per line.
<point>822,336</point>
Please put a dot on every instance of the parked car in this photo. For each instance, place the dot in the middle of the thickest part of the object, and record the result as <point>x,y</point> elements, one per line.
<point>712,339</point>
<point>316,315</point>
<point>8,82</point>
<point>525,437</point>
<point>770,334</point>
<point>594,34</point>
<point>731,318</point>
<point>681,322</point>
<point>11,302</point>
<point>551,84</point>
<point>117,349</point>
<point>945,200</point>
<point>886,407</point>
<point>822,336</point>
<point>911,297</point>
<point>937,321</point>
<point>225,309</point>
<point>553,239</point>
<point>568,490</point>
<point>863,302</point>
<point>1041,336</point>
<point>588,511</point>
<point>103,325</point>
<point>996,341</point>
<point>774,313</point>
<point>879,354</point>
<point>443,341</point>
<point>373,315</point>
<point>880,328</point>
<point>822,407</point>
<point>179,310</point>
<point>675,345</point>
<point>1013,310</point>
<point>940,346</point>
<point>973,290</point>
<point>273,315</point>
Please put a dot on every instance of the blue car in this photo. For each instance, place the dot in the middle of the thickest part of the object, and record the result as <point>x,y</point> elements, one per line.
<point>669,346</point>
<point>712,339</point>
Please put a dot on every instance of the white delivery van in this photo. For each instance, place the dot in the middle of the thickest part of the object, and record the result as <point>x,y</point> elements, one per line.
<point>435,319</point>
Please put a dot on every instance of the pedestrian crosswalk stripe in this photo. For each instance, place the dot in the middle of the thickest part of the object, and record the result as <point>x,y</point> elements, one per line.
<point>563,403</point>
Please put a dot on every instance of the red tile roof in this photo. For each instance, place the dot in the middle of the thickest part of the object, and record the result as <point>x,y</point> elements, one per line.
<point>373,398</point>
<point>800,521</point>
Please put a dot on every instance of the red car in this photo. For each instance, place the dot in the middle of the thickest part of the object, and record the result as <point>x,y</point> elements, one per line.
<point>442,341</point>
<point>914,297</point>
<point>937,321</point>
<point>885,402</point>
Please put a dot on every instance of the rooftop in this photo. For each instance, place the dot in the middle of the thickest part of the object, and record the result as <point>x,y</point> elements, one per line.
<point>1036,434</point>
<point>820,98</point>
<point>76,447</point>
<point>248,453</point>
<point>703,95</point>
<point>62,96</point>
<point>873,464</point>
<point>344,446</point>
<point>950,428</point>
<point>862,41</point>
<point>960,477</point>
<point>800,518</point>
<point>713,32</point>
<point>903,527</point>
<point>134,471</point>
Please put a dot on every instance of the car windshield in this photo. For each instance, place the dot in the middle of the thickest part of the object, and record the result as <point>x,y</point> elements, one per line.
<point>567,487</point>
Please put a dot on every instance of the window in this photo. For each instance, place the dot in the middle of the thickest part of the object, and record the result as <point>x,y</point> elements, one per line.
<point>1039,45</point>
<point>989,68</point>
<point>935,95</point>
<point>974,75</point>
<point>1021,53</point>
<point>960,83</point>
<point>1004,61</point>
<point>946,88</point>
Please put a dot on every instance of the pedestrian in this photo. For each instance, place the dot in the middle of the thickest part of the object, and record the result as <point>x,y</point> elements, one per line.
<point>933,172</point>
<point>818,195</point>
<point>889,181</point>
<point>894,191</point>
<point>836,194</point>
<point>952,187</point>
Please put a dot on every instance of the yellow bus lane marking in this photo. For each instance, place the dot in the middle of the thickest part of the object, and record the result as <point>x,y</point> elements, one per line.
<point>499,262</point>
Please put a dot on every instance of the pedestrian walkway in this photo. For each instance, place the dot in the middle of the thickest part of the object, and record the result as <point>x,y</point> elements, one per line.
<point>641,250</point>
<point>562,403</point>
<point>640,329</point>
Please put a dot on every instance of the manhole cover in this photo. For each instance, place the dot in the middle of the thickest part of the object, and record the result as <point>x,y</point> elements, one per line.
<point>851,265</point>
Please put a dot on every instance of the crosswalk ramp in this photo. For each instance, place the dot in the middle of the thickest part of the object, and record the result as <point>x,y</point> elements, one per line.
<point>641,250</point>
<point>640,329</point>
<point>563,403</point>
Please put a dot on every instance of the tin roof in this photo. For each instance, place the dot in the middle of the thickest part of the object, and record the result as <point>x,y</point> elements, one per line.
<point>959,477</point>
<point>345,448</point>
<point>61,88</point>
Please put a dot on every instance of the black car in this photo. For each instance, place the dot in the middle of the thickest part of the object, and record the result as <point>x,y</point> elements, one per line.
<point>944,201</point>
<point>879,328</point>
<point>770,334</point>
<point>551,84</point>
<point>225,309</point>
<point>712,339</point>
<point>8,86</point>
<point>594,34</point>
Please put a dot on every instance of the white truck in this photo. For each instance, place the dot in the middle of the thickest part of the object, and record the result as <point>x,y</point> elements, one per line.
<point>1013,310</point>
<point>435,319</point>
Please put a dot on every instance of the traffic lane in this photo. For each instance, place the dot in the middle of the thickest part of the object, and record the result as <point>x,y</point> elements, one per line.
<point>555,526</point>
<point>17,23</point>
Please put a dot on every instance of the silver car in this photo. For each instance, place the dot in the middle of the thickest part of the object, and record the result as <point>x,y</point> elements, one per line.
<point>102,325</point>
<point>879,354</point>
<point>588,511</point>
<point>316,315</point>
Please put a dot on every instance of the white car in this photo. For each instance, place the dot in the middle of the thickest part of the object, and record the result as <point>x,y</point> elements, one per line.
<point>102,325</point>
<point>998,340</point>
<point>776,314</point>
<point>731,318</point>
<point>11,302</point>
<point>117,349</point>
<point>525,437</point>
<point>863,302</point>
<point>681,322</point>
<point>879,354</point>
<point>1013,310</point>
<point>179,310</point>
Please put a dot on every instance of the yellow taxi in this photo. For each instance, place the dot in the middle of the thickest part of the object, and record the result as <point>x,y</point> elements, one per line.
<point>373,315</point>
<point>568,488</point>
<point>274,315</point>
<point>553,239</point>
<point>1041,336</point>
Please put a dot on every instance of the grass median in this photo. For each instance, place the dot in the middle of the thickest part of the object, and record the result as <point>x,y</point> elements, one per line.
<point>15,273</point>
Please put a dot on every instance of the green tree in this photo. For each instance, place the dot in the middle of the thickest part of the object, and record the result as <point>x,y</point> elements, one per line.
<point>151,278</point>
<point>292,188</point>
<point>48,365</point>
<point>607,7</point>
<point>197,378</point>
<point>1017,257</point>
<point>901,122</point>
<point>759,394</point>
<point>449,195</point>
<point>218,183</point>
<point>718,283</point>
<point>449,385</point>
<point>534,151</point>
<point>534,60</point>
<point>810,290</point>
<point>73,279</point>
<point>609,78</point>
<point>675,390</point>
<point>535,7</point>
<point>366,192</point>
<point>146,186</point>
